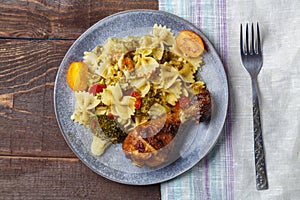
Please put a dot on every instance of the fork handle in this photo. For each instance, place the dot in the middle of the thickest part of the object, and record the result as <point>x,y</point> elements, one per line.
<point>259,155</point>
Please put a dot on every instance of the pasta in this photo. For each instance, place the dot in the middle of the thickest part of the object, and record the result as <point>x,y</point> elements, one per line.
<point>85,104</point>
<point>145,64</point>
<point>120,105</point>
<point>163,35</point>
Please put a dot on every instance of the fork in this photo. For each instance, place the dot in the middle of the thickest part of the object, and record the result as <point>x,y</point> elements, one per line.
<point>252,60</point>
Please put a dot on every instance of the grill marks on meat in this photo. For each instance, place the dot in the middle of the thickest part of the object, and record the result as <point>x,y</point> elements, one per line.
<point>163,137</point>
<point>150,143</point>
<point>200,108</point>
<point>153,143</point>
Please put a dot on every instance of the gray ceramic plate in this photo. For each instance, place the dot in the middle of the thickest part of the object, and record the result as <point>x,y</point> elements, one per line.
<point>113,164</point>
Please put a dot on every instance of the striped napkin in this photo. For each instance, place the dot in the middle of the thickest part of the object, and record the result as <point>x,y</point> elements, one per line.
<point>227,172</point>
<point>212,178</point>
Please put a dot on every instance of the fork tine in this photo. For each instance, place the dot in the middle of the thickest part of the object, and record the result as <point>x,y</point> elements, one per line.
<point>252,48</point>
<point>258,40</point>
<point>241,41</point>
<point>247,40</point>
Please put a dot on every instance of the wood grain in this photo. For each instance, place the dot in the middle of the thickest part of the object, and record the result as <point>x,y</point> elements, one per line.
<point>59,19</point>
<point>52,178</point>
<point>27,120</point>
<point>35,161</point>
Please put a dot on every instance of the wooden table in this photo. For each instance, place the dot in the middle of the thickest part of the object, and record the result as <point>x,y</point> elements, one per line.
<point>35,161</point>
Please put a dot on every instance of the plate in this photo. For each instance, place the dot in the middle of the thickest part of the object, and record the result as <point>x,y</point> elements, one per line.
<point>113,164</point>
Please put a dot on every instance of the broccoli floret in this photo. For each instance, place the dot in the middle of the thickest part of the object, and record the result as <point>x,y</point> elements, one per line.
<point>111,129</point>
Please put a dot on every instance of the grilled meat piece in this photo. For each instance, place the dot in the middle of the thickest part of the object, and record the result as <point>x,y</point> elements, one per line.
<point>154,142</point>
<point>200,108</point>
<point>204,105</point>
<point>150,143</point>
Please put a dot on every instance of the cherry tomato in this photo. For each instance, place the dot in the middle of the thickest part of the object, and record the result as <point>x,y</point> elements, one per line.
<point>110,115</point>
<point>135,94</point>
<point>138,96</point>
<point>97,88</point>
<point>138,103</point>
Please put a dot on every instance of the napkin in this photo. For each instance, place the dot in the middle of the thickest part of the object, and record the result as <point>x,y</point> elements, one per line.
<point>228,172</point>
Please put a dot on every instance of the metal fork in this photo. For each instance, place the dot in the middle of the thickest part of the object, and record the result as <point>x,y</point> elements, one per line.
<point>252,60</point>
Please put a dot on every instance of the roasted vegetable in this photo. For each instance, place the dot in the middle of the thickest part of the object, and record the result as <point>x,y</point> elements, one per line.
<point>96,88</point>
<point>111,128</point>
<point>77,76</point>
<point>138,101</point>
<point>189,43</point>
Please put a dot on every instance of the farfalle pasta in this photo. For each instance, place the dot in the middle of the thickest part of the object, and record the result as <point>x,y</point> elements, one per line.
<point>117,103</point>
<point>132,81</point>
<point>163,35</point>
<point>145,63</point>
<point>85,107</point>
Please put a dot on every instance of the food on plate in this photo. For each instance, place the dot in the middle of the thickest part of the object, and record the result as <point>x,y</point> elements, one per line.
<point>111,128</point>
<point>77,76</point>
<point>150,143</point>
<point>139,91</point>
<point>190,43</point>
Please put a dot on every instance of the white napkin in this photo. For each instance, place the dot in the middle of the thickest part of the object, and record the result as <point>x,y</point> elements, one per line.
<point>228,171</point>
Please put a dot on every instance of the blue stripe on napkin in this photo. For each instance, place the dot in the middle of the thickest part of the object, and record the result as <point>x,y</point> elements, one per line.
<point>212,177</point>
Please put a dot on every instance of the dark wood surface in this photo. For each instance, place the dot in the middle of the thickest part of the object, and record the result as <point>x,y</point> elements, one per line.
<point>35,161</point>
